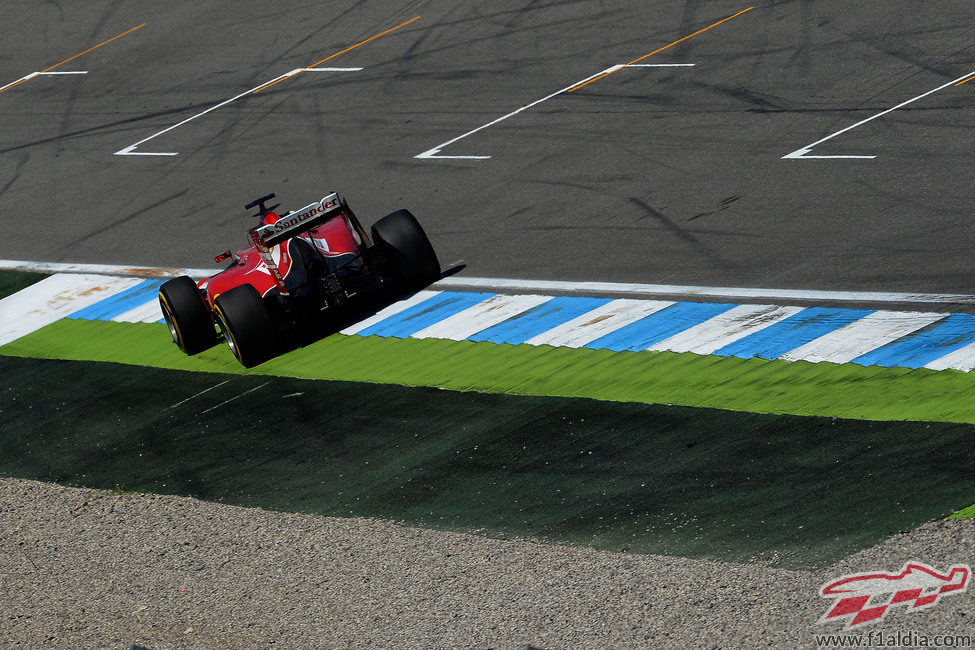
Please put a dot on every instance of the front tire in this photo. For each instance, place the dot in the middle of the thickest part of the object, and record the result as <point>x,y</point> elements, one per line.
<point>246,324</point>
<point>187,315</point>
<point>402,240</point>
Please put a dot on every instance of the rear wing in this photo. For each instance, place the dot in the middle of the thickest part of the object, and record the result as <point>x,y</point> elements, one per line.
<point>303,220</point>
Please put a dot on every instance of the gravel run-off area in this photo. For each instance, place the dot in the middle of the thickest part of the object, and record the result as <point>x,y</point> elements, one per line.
<point>84,568</point>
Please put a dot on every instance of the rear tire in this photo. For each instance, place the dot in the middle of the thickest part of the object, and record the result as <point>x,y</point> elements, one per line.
<point>246,324</point>
<point>187,315</point>
<point>402,240</point>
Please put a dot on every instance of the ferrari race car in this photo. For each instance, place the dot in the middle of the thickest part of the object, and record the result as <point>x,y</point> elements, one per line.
<point>298,266</point>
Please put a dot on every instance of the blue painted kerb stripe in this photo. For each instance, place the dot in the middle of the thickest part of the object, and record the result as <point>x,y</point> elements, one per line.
<point>121,302</point>
<point>792,332</point>
<point>658,326</point>
<point>538,319</point>
<point>430,311</point>
<point>927,344</point>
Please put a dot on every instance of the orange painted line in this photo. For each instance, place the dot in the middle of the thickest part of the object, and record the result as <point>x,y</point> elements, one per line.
<point>352,47</point>
<point>662,48</point>
<point>75,56</point>
<point>94,48</point>
<point>965,81</point>
<point>16,84</point>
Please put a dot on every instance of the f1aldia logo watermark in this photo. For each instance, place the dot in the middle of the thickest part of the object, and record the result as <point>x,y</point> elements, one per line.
<point>866,597</point>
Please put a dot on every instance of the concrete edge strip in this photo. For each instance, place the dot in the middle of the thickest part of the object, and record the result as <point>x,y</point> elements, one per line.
<point>617,288</point>
<point>103,269</point>
<point>590,288</point>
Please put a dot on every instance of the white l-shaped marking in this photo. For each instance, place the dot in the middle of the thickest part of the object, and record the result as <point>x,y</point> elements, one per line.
<point>38,74</point>
<point>130,150</point>
<point>434,153</point>
<point>802,153</point>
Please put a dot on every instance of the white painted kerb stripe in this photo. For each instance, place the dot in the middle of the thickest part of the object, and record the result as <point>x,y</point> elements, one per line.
<point>481,316</point>
<point>391,310</point>
<point>53,298</point>
<point>150,312</point>
<point>864,335</point>
<point>715,333</point>
<point>960,359</point>
<point>596,323</point>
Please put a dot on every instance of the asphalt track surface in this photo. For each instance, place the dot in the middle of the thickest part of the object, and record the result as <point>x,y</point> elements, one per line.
<point>650,174</point>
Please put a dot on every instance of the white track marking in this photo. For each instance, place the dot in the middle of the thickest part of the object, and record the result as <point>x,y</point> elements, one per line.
<point>802,153</point>
<point>53,298</point>
<point>961,359</point>
<point>24,78</point>
<point>618,288</point>
<point>481,316</point>
<point>434,153</point>
<point>391,310</point>
<point>130,150</point>
<point>235,397</point>
<point>147,313</point>
<point>715,333</point>
<point>103,269</point>
<point>38,74</point>
<point>300,70</point>
<point>859,337</point>
<point>205,390</point>
<point>596,323</point>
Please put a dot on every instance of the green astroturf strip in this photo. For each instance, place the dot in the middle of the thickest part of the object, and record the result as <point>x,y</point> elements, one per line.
<point>13,281</point>
<point>755,385</point>
<point>964,512</point>
<point>796,491</point>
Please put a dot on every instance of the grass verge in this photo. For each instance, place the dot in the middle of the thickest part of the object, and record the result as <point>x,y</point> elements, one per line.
<point>753,385</point>
<point>795,491</point>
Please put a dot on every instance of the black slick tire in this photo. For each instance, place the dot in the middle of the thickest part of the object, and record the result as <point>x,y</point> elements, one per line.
<point>187,315</point>
<point>401,239</point>
<point>246,325</point>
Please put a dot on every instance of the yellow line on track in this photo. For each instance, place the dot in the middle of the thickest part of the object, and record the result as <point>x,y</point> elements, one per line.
<point>965,81</point>
<point>75,56</point>
<point>662,48</point>
<point>352,47</point>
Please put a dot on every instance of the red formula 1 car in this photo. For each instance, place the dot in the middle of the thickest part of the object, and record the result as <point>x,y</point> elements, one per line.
<point>298,266</point>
